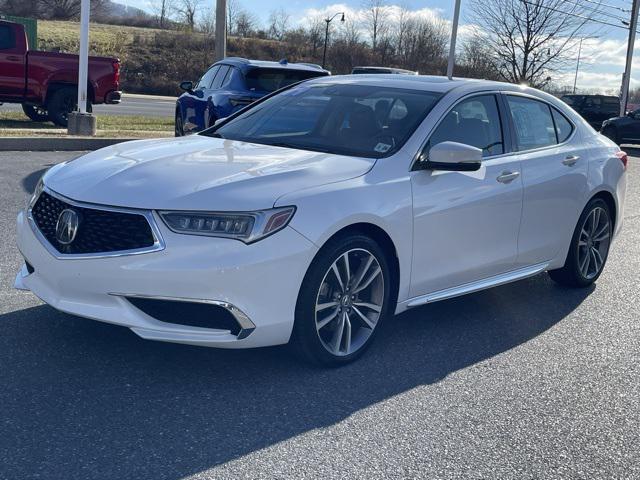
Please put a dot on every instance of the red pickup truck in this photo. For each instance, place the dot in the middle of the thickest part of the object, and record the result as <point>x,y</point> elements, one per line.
<point>46,83</point>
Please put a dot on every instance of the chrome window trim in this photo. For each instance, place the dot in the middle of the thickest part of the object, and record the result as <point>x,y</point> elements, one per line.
<point>157,246</point>
<point>246,325</point>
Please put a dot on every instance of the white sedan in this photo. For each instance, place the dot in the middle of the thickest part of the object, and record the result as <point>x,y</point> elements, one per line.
<point>319,212</point>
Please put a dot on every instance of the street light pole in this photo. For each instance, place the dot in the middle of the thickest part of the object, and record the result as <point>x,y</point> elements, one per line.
<point>575,80</point>
<point>626,78</point>
<point>326,36</point>
<point>452,44</point>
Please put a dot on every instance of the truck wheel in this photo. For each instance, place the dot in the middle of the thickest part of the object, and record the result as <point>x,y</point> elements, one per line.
<point>63,102</point>
<point>35,113</point>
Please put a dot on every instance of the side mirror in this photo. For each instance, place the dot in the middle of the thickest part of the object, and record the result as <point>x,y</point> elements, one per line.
<point>452,156</point>
<point>186,86</point>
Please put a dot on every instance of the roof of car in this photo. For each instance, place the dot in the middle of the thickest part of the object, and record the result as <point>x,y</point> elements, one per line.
<point>284,64</point>
<point>385,69</point>
<point>419,82</point>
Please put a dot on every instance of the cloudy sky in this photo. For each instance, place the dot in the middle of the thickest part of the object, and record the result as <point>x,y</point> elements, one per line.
<point>602,61</point>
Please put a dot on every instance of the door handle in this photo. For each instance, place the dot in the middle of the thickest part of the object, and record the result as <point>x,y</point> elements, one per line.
<point>13,58</point>
<point>570,160</point>
<point>507,177</point>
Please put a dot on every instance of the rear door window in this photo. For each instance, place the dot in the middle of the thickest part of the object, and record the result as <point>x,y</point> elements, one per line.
<point>7,38</point>
<point>532,121</point>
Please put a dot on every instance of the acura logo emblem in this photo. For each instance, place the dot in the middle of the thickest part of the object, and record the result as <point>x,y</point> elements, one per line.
<point>67,226</point>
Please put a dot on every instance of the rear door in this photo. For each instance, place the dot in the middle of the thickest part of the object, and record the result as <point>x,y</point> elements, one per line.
<point>12,62</point>
<point>554,174</point>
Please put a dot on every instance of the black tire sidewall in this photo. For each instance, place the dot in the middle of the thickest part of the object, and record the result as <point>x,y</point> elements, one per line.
<point>305,339</point>
<point>56,106</point>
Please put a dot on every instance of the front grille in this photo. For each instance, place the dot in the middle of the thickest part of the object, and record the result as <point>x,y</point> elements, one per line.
<point>99,231</point>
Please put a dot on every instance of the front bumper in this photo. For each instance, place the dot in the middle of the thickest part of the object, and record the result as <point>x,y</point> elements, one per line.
<point>260,280</point>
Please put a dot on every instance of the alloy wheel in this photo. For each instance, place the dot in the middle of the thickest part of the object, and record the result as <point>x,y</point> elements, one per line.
<point>594,242</point>
<point>349,302</point>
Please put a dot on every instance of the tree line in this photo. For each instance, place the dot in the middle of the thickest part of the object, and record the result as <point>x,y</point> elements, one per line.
<point>519,41</point>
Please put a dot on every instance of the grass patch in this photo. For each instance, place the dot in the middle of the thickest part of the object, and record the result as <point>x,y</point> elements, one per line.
<point>16,124</point>
<point>133,123</point>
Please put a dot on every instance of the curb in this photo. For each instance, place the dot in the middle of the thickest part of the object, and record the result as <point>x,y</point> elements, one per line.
<point>53,144</point>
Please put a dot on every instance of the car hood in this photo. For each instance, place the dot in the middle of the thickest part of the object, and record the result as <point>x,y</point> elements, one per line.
<point>197,173</point>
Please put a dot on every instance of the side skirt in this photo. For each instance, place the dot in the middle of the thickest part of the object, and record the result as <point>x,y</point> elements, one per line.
<point>478,285</point>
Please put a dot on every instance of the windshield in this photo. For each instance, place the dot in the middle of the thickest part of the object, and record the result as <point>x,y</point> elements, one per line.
<point>359,120</point>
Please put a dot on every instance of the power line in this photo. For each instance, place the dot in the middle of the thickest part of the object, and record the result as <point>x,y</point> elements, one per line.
<point>595,11</point>
<point>625,10</point>
<point>577,15</point>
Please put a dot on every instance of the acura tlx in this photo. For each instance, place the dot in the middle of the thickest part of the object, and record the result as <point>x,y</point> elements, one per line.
<point>317,213</point>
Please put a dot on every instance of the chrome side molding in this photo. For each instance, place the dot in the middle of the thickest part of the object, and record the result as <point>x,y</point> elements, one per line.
<point>479,285</point>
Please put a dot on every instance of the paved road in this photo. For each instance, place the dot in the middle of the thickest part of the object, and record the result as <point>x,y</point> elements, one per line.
<point>130,105</point>
<point>523,381</point>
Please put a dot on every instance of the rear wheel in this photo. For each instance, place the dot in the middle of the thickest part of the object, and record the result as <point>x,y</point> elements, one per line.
<point>344,298</point>
<point>589,247</point>
<point>62,103</point>
<point>35,113</point>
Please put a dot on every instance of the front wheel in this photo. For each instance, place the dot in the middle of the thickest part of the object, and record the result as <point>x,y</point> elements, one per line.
<point>35,113</point>
<point>589,247</point>
<point>178,126</point>
<point>344,298</point>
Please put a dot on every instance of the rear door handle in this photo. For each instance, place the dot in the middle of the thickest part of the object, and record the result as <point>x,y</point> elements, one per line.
<point>570,160</point>
<point>507,177</point>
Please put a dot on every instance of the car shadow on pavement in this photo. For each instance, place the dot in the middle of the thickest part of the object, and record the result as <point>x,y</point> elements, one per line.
<point>83,399</point>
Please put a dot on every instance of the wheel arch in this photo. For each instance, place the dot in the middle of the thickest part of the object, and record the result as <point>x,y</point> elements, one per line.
<point>610,200</point>
<point>382,238</point>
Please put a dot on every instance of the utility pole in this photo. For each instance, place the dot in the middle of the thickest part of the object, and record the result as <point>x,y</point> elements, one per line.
<point>452,44</point>
<point>575,80</point>
<point>221,30</point>
<point>626,78</point>
<point>326,35</point>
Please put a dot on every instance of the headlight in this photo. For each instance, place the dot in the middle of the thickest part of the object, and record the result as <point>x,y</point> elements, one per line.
<point>36,193</point>
<point>246,226</point>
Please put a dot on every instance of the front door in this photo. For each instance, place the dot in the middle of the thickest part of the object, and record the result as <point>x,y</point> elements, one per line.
<point>466,223</point>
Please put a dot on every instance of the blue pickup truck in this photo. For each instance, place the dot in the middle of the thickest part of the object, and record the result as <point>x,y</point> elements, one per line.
<point>232,84</point>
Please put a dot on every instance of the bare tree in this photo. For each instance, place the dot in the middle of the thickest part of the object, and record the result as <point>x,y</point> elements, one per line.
<point>530,39</point>
<point>477,61</point>
<point>68,9</point>
<point>162,8</point>
<point>279,23</point>
<point>376,21</point>
<point>188,10</point>
<point>246,24</point>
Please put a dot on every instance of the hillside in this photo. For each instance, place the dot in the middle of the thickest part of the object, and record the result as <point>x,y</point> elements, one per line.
<point>155,61</point>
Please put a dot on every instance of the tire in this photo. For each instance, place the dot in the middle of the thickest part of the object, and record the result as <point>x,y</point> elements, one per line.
<point>63,102</point>
<point>589,247</point>
<point>35,113</point>
<point>611,134</point>
<point>352,319</point>
<point>179,127</point>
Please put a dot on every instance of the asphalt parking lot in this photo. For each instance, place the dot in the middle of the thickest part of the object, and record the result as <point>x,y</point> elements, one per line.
<point>528,380</point>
